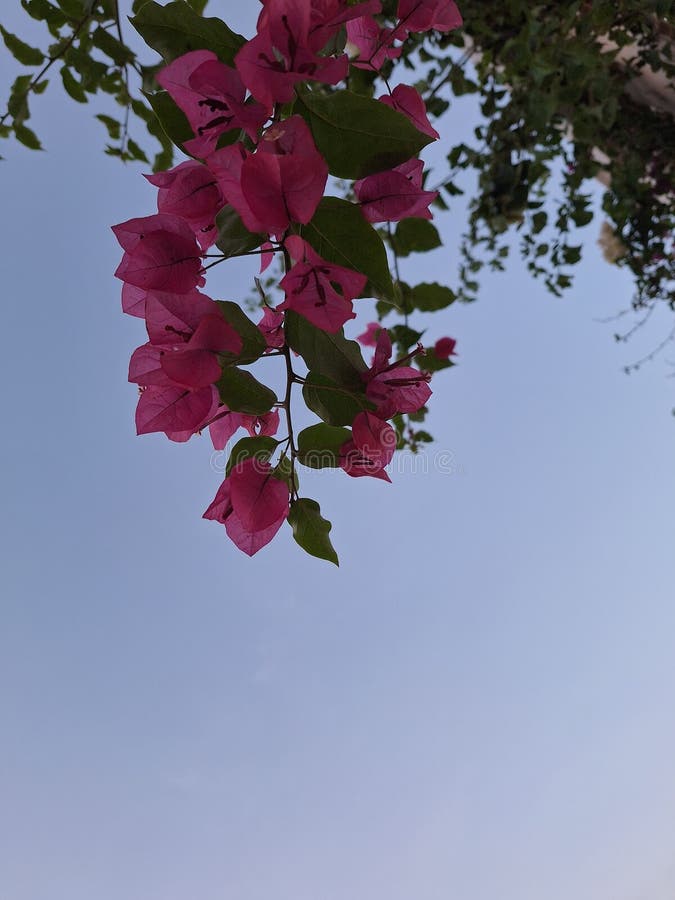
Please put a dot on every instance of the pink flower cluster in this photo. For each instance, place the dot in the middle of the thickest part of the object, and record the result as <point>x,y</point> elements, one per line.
<point>273,177</point>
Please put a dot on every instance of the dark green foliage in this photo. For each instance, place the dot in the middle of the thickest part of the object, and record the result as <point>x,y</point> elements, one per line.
<point>551,91</point>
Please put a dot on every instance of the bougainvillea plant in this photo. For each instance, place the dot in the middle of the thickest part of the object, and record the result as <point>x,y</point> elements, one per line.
<point>264,137</point>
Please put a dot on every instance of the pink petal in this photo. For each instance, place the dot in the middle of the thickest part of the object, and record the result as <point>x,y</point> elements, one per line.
<point>354,463</point>
<point>251,541</point>
<point>145,367</point>
<point>405,99</point>
<point>369,336</point>
<point>175,409</point>
<point>220,507</point>
<point>191,368</point>
<point>214,333</point>
<point>133,300</point>
<point>172,319</point>
<point>257,498</point>
<point>271,325</point>
<point>375,438</point>
<point>222,428</point>
<point>445,347</point>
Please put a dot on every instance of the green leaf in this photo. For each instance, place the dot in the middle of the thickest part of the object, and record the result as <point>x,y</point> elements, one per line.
<point>311,530</point>
<point>571,255</point>
<point>176,28</point>
<point>261,447</point>
<point>324,353</point>
<point>319,446</point>
<point>172,119</point>
<point>135,152</point>
<point>72,8</point>
<point>42,10</point>
<point>253,341</point>
<point>431,297</point>
<point>339,233</point>
<point>113,127</point>
<point>22,52</point>
<point>332,402</point>
<point>234,238</point>
<point>27,137</point>
<point>94,74</point>
<point>404,337</point>
<point>241,392</point>
<point>112,47</point>
<point>415,236</point>
<point>357,135</point>
<point>17,105</point>
<point>72,86</point>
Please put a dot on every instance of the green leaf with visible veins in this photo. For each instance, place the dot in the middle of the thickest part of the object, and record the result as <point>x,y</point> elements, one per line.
<point>358,135</point>
<point>324,353</point>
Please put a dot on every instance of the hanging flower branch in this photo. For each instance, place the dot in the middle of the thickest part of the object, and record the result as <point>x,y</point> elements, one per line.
<point>264,136</point>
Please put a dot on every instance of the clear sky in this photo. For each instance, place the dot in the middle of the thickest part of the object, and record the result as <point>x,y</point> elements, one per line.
<point>478,704</point>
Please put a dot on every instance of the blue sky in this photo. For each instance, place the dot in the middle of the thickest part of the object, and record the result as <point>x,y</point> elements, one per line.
<point>477,704</point>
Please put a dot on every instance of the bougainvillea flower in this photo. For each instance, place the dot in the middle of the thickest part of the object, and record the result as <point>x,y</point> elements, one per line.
<point>370,449</point>
<point>407,100</point>
<point>257,497</point>
<point>272,327</point>
<point>191,321</point>
<point>153,366</point>
<point>326,17</point>
<point>226,422</point>
<point>444,347</point>
<point>221,510</point>
<point>280,55</point>
<point>373,44</point>
<point>212,96</point>
<point>160,253</point>
<point>173,318</point>
<point>318,290</point>
<point>369,336</point>
<point>423,15</point>
<point>375,438</point>
<point>396,194</point>
<point>394,387</point>
<point>190,191</point>
<point>186,334</point>
<point>174,409</point>
<point>282,182</point>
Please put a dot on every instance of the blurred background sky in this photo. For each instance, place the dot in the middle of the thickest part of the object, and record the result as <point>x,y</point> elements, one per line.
<point>478,704</point>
